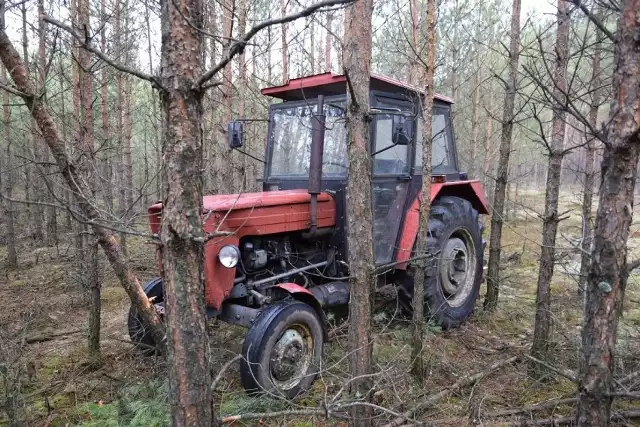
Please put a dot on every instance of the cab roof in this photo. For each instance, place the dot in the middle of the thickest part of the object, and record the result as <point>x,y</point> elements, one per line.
<point>335,84</point>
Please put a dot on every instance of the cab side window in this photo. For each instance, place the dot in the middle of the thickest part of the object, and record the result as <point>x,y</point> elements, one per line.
<point>440,153</point>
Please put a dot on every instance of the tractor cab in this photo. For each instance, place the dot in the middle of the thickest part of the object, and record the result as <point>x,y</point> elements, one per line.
<point>275,260</point>
<point>396,147</point>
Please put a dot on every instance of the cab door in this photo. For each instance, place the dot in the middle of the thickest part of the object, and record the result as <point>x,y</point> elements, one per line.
<point>390,177</point>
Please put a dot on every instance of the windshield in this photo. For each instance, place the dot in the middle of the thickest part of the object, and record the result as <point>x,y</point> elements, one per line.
<point>291,140</point>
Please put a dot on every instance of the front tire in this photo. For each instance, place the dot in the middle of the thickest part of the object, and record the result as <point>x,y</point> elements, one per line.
<point>138,333</point>
<point>453,276</point>
<point>282,350</point>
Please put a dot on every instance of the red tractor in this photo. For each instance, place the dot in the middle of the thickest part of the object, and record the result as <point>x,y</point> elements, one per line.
<point>286,259</point>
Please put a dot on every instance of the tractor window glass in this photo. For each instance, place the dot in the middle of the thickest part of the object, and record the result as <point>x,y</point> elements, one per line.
<point>291,141</point>
<point>393,160</point>
<point>440,155</point>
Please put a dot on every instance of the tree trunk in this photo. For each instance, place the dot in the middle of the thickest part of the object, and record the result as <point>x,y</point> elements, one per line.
<point>415,66</point>
<point>12,257</point>
<point>357,66</point>
<point>120,137</point>
<point>155,119</point>
<point>608,272</point>
<point>285,46</point>
<point>51,234</point>
<point>85,82</point>
<point>182,234</point>
<point>225,158</point>
<point>475,124</point>
<point>542,326</point>
<point>35,212</point>
<point>327,43</point>
<point>425,199</point>
<point>107,171</point>
<point>589,167</point>
<point>493,273</point>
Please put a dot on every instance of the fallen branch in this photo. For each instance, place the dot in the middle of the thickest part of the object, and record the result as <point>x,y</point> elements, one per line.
<point>287,413</point>
<point>564,372</point>
<point>42,338</point>
<point>226,366</point>
<point>461,383</point>
<point>531,408</point>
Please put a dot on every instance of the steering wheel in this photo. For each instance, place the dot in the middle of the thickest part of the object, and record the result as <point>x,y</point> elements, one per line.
<point>330,163</point>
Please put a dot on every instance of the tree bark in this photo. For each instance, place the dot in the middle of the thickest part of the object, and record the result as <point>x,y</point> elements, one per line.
<point>120,137</point>
<point>415,68</point>
<point>182,234</point>
<point>104,114</point>
<point>357,67</point>
<point>542,326</point>
<point>589,167</point>
<point>425,199</point>
<point>475,124</point>
<point>493,273</point>
<point>7,188</point>
<point>608,272</point>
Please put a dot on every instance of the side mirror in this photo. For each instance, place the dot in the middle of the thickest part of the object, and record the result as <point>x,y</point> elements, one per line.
<point>235,134</point>
<point>402,130</point>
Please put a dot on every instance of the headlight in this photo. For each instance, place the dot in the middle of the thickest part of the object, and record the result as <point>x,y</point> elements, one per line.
<point>229,256</point>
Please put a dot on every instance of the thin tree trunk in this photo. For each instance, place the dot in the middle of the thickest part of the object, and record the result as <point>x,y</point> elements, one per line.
<point>285,46</point>
<point>415,68</point>
<point>36,212</point>
<point>542,326</point>
<point>225,161</point>
<point>51,214</point>
<point>188,356</point>
<point>475,124</point>
<point>493,273</point>
<point>107,169</point>
<point>609,271</point>
<point>85,82</point>
<point>67,196</point>
<point>425,199</point>
<point>12,257</point>
<point>589,167</point>
<point>120,160</point>
<point>327,43</point>
<point>357,66</point>
<point>155,119</point>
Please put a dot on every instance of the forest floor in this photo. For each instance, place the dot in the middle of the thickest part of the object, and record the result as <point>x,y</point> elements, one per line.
<point>51,382</point>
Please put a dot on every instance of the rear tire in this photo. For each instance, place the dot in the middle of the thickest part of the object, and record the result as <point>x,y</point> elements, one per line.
<point>453,276</point>
<point>282,350</point>
<point>138,333</point>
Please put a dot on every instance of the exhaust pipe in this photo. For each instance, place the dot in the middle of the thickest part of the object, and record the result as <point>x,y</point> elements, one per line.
<point>315,166</point>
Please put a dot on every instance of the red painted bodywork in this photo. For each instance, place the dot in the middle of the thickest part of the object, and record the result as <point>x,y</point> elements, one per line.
<point>294,288</point>
<point>249,214</point>
<point>330,83</point>
<point>469,190</point>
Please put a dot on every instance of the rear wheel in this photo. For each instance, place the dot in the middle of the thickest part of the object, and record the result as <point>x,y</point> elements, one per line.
<point>138,333</point>
<point>453,275</point>
<point>282,350</point>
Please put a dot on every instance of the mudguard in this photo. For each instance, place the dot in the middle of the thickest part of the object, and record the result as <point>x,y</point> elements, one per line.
<point>304,295</point>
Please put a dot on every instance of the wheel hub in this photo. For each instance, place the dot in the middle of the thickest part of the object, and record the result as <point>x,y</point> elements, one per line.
<point>288,355</point>
<point>457,267</point>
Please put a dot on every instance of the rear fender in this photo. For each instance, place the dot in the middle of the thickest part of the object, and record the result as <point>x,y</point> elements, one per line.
<point>472,191</point>
<point>304,295</point>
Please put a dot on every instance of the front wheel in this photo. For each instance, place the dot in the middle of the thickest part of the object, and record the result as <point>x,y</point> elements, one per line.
<point>454,274</point>
<point>282,350</point>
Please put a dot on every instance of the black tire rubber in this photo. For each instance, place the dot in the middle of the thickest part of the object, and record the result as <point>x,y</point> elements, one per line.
<point>145,343</point>
<point>255,372</point>
<point>448,215</point>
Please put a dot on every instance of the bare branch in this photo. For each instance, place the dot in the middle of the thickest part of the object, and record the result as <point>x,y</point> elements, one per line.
<point>88,45</point>
<point>238,46</point>
<point>594,19</point>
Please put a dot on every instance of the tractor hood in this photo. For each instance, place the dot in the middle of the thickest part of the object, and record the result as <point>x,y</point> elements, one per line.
<point>274,204</point>
<point>226,202</point>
